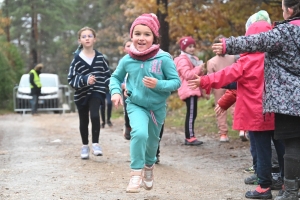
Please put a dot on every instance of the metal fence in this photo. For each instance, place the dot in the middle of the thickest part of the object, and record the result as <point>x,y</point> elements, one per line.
<point>57,105</point>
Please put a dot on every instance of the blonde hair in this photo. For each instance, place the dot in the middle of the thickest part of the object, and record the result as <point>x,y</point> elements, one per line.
<point>84,29</point>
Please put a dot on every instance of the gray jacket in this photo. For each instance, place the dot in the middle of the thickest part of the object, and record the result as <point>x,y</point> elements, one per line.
<point>282,64</point>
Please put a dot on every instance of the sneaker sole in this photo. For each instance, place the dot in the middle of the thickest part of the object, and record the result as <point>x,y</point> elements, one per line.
<point>259,197</point>
<point>243,138</point>
<point>146,187</point>
<point>191,144</point>
<point>98,154</point>
<point>84,157</point>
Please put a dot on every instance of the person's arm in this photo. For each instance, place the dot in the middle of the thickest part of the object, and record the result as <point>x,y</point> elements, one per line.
<point>31,80</point>
<point>270,41</point>
<point>75,79</point>
<point>172,81</point>
<point>228,99</point>
<point>184,69</point>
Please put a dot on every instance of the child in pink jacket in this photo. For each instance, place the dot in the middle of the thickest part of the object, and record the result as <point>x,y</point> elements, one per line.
<point>187,66</point>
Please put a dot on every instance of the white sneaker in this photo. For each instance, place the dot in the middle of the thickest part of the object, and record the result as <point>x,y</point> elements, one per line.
<point>244,135</point>
<point>135,181</point>
<point>97,151</point>
<point>148,177</point>
<point>85,150</point>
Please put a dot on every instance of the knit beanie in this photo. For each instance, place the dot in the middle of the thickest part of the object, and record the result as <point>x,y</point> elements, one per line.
<point>148,19</point>
<point>261,15</point>
<point>184,42</point>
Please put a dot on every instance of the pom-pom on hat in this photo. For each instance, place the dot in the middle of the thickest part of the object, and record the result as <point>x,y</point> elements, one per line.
<point>184,42</point>
<point>261,15</point>
<point>148,19</point>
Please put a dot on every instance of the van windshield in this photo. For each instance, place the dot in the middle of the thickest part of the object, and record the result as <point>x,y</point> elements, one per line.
<point>47,81</point>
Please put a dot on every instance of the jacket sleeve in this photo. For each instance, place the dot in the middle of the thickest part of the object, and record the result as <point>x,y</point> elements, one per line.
<point>172,81</point>
<point>225,76</point>
<point>31,80</point>
<point>117,78</point>
<point>228,99</point>
<point>270,41</point>
<point>185,70</point>
<point>75,79</point>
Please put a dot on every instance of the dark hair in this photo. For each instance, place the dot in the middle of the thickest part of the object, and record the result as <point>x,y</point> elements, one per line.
<point>156,39</point>
<point>295,5</point>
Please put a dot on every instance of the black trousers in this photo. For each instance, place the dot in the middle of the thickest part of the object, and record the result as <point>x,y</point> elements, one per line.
<point>191,115</point>
<point>92,108</point>
<point>292,158</point>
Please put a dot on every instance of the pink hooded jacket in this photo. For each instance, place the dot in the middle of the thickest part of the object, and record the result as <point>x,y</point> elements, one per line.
<point>248,71</point>
<point>186,71</point>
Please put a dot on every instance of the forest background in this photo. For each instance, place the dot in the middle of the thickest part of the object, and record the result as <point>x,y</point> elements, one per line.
<point>45,31</point>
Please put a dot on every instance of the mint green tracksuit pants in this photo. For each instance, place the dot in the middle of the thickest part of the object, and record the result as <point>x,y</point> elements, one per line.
<point>145,129</point>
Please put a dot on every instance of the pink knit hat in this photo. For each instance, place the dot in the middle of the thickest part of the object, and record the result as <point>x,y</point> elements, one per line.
<point>184,42</point>
<point>149,20</point>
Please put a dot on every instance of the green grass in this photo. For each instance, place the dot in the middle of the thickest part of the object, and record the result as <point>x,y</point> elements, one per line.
<point>205,123</point>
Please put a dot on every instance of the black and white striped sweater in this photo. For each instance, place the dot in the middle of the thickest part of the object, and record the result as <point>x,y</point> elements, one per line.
<point>78,77</point>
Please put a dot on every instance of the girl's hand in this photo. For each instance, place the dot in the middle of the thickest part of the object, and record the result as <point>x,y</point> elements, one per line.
<point>91,80</point>
<point>193,84</point>
<point>217,48</point>
<point>149,82</point>
<point>219,110</point>
<point>116,99</point>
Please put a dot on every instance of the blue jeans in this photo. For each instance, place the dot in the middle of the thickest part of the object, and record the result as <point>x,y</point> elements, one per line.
<point>264,156</point>
<point>34,103</point>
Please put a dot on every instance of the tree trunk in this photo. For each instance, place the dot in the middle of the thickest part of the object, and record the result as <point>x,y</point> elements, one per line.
<point>164,25</point>
<point>7,27</point>
<point>34,36</point>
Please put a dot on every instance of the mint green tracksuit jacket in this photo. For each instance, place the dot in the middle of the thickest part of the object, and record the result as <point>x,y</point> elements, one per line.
<point>146,107</point>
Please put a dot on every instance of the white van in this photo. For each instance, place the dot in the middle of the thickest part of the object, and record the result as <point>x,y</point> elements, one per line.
<point>51,94</point>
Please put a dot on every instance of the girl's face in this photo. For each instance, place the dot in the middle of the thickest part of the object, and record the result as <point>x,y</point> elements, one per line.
<point>87,39</point>
<point>190,49</point>
<point>286,12</point>
<point>142,37</point>
<point>127,46</point>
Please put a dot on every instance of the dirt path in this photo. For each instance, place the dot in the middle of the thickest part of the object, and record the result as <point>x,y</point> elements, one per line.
<point>40,159</point>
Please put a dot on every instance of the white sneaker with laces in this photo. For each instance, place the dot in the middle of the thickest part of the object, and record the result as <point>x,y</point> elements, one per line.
<point>85,150</point>
<point>135,181</point>
<point>97,151</point>
<point>148,177</point>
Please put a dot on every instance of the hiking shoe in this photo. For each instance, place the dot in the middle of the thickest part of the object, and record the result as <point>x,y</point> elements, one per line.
<point>85,150</point>
<point>109,123</point>
<point>250,169</point>
<point>251,180</point>
<point>244,136</point>
<point>103,125</point>
<point>224,138</point>
<point>126,133</point>
<point>135,181</point>
<point>97,151</point>
<point>193,142</point>
<point>148,177</point>
<point>259,193</point>
<point>277,184</point>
